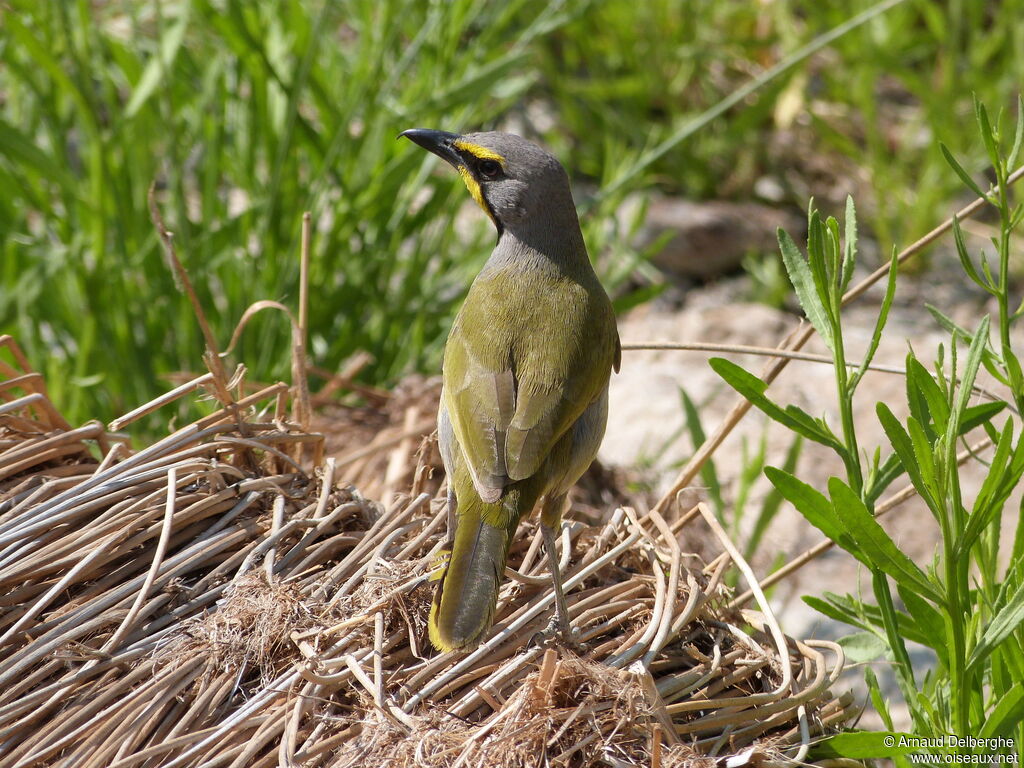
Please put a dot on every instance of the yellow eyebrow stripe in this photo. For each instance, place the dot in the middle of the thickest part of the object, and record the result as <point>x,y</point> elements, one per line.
<point>481,153</point>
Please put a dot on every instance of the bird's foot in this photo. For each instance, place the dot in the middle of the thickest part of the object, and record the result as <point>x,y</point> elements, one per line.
<point>558,633</point>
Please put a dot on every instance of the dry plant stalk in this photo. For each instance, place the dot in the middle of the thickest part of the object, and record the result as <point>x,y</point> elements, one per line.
<point>208,600</point>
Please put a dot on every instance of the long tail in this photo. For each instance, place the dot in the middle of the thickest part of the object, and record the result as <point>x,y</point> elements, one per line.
<point>463,607</point>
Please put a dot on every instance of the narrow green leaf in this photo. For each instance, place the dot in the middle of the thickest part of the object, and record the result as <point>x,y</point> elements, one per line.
<point>753,388</point>
<point>924,457</point>
<point>883,313</point>
<point>959,170</point>
<point>863,745</point>
<point>805,285</point>
<point>857,613</point>
<point>987,134</point>
<point>833,259</point>
<point>862,647</point>
<point>1006,715</point>
<point>877,700</point>
<point>773,500</point>
<point>965,260</point>
<point>1018,137</point>
<point>930,626</point>
<point>850,249</point>
<point>1001,627</point>
<point>967,378</point>
<point>903,667</point>
<point>1013,369</point>
<point>875,542</point>
<point>637,296</point>
<point>928,404</point>
<point>1000,480</point>
<point>16,146</point>
<point>750,472</point>
<point>835,612</point>
<point>889,470</point>
<point>818,257</point>
<point>982,413</point>
<point>160,64</point>
<point>816,508</point>
<point>904,448</point>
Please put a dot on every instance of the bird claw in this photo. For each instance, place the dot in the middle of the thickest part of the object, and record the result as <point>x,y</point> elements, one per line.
<point>557,633</point>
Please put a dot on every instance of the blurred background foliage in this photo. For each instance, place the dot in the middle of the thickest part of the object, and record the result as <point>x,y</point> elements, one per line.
<point>246,114</point>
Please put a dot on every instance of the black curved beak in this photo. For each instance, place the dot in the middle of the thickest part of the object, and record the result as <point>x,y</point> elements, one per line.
<point>441,143</point>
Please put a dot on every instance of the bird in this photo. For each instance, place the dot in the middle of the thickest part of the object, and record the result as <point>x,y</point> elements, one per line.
<point>525,375</point>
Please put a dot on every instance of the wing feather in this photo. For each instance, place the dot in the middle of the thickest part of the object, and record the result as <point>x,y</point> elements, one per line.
<point>510,391</point>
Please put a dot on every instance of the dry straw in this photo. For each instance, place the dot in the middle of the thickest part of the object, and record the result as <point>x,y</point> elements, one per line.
<point>228,597</point>
<point>209,600</point>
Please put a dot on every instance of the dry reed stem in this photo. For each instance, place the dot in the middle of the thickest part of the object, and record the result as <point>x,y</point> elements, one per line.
<point>181,607</point>
<point>211,356</point>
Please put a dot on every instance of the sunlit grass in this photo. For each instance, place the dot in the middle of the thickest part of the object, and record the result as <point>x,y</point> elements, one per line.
<point>247,114</point>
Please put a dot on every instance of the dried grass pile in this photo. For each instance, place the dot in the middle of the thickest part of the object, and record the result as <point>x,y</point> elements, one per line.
<point>225,597</point>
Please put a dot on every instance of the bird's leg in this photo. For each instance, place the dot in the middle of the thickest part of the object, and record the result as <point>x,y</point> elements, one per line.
<point>551,522</point>
<point>560,621</point>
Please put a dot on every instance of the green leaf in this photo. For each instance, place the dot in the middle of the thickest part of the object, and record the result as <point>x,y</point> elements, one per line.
<point>991,361</point>
<point>883,314</point>
<point>15,144</point>
<point>850,250</point>
<point>890,469</point>
<point>862,745</point>
<point>924,458</point>
<point>875,542</point>
<point>1001,627</point>
<point>1004,471</point>
<point>979,414</point>
<point>1013,369</point>
<point>1006,715</point>
<point>160,64</point>
<point>634,298</point>
<point>1018,138</point>
<point>927,403</point>
<point>904,448</point>
<point>877,700</point>
<point>930,625</point>
<point>967,378</point>
<point>815,507</point>
<point>965,260</point>
<point>750,473</point>
<point>850,610</point>
<point>808,291</point>
<point>959,171</point>
<point>903,667</point>
<point>987,134</point>
<point>835,610</point>
<point>833,260</point>
<point>753,389</point>
<point>817,259</point>
<point>863,646</point>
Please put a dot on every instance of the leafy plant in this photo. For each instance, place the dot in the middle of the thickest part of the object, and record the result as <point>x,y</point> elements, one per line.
<point>971,623</point>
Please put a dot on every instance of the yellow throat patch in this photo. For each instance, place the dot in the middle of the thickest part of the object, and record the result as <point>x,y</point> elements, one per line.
<point>481,153</point>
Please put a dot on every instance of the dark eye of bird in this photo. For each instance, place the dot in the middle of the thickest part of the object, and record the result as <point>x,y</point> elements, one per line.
<point>489,169</point>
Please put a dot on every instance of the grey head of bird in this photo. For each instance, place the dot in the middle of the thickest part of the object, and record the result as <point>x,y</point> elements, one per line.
<point>520,186</point>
